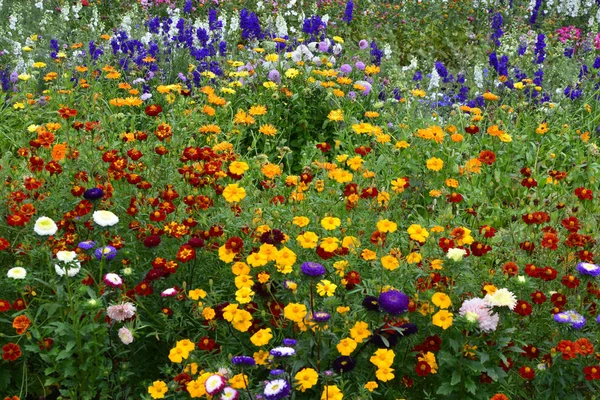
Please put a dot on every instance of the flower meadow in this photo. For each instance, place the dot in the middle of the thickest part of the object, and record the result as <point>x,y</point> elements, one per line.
<point>305,200</point>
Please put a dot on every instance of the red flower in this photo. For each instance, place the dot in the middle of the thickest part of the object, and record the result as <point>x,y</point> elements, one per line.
<point>422,368</point>
<point>527,373</point>
<point>186,253</point>
<point>207,344</point>
<point>234,244</point>
<point>144,289</point>
<point>4,306</point>
<point>592,372</point>
<point>586,256</point>
<point>324,147</point>
<point>570,281</point>
<point>499,396</point>
<point>538,297</point>
<point>454,198</point>
<point>550,241</point>
<point>527,246</point>
<point>17,220</point>
<point>11,352</point>
<point>568,349</point>
<point>529,182</point>
<point>526,171</point>
<point>480,249</point>
<point>446,244</point>
<point>487,157</point>
<point>584,194</point>
<point>46,344</point>
<point>472,129</point>
<point>153,110</point>
<point>510,268</point>
<point>523,308</point>
<point>548,274</point>
<point>67,113</point>
<point>352,279</point>
<point>362,150</point>
<point>487,231</point>
<point>369,193</point>
<point>558,300</point>
<point>572,224</point>
<point>531,351</point>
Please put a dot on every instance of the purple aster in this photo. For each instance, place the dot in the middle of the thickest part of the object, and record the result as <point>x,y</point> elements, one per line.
<point>562,317</point>
<point>312,269</point>
<point>363,44</point>
<point>588,269</point>
<point>282,351</point>
<point>276,372</point>
<point>243,360</point>
<point>346,68</point>
<point>277,389</point>
<point>106,252</point>
<point>321,316</point>
<point>289,342</point>
<point>274,76</point>
<point>577,320</point>
<point>87,245</point>
<point>393,302</point>
<point>93,194</point>
<point>360,65</point>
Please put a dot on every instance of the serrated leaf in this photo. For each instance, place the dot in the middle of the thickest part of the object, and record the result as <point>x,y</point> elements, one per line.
<point>456,377</point>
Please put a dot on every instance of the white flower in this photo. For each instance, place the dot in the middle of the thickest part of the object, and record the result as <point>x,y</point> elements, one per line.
<point>456,254</point>
<point>17,273</point>
<point>61,271</point>
<point>125,335</point>
<point>66,256</point>
<point>502,298</point>
<point>45,226</point>
<point>105,218</point>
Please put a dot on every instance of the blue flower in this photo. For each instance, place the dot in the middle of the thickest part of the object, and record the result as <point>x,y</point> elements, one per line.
<point>106,252</point>
<point>348,12</point>
<point>312,269</point>
<point>243,360</point>
<point>588,269</point>
<point>393,302</point>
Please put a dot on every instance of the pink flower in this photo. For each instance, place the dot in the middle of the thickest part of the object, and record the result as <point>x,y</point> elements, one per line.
<point>479,310</point>
<point>125,335</point>
<point>170,292</point>
<point>121,312</point>
<point>113,280</point>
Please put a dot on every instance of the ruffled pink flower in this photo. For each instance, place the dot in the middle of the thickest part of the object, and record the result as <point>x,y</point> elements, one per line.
<point>488,322</point>
<point>121,312</point>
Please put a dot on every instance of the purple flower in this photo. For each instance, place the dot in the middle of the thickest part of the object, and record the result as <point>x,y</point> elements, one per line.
<point>393,302</point>
<point>348,12</point>
<point>360,65</point>
<point>588,269</point>
<point>363,44</point>
<point>277,389</point>
<point>106,252</point>
<point>274,76</point>
<point>346,68</point>
<point>352,95</point>
<point>282,351</point>
<point>577,320</point>
<point>276,372</point>
<point>87,245</point>
<point>243,360</point>
<point>289,342</point>
<point>562,317</point>
<point>312,269</point>
<point>323,47</point>
<point>321,316</point>
<point>367,87</point>
<point>343,364</point>
<point>93,194</point>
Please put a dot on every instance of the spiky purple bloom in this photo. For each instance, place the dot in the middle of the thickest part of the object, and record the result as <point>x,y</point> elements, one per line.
<point>87,245</point>
<point>93,194</point>
<point>588,269</point>
<point>277,389</point>
<point>243,360</point>
<point>321,316</point>
<point>348,12</point>
<point>312,269</point>
<point>106,252</point>
<point>393,302</point>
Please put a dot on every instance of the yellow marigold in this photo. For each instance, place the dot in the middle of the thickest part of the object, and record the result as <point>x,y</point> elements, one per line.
<point>271,170</point>
<point>368,255</point>
<point>490,96</point>
<point>241,117</point>
<point>355,162</point>
<point>226,255</point>
<point>414,258</point>
<point>330,244</point>
<point>257,110</point>
<point>240,268</point>
<point>385,374</point>
<point>346,346</point>
<point>443,319</point>
<point>233,193</point>
<point>295,312</point>
<point>385,225</point>
<point>429,358</point>
<point>306,378</point>
<point>418,233</point>
<point>300,221</point>
<point>308,240</point>
<point>262,337</point>
<point>435,193</point>
<point>418,93</point>
<point>435,164</point>
<point>326,288</point>
<point>371,386</point>
<point>390,262</point>
<point>208,313</point>
<point>403,144</point>
<point>360,331</point>
<point>371,114</point>
<point>473,166</point>
<point>398,185</point>
<point>330,223</point>
<point>382,358</point>
<point>441,300</point>
<point>158,390</point>
<point>238,167</point>
<point>196,294</point>
<point>437,264</point>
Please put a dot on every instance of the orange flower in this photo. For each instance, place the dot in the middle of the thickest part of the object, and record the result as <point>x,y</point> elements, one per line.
<point>21,323</point>
<point>59,151</point>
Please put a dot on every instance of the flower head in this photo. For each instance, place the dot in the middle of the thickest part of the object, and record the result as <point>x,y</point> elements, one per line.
<point>478,310</point>
<point>113,280</point>
<point>105,218</point>
<point>45,226</point>
<point>17,273</point>
<point>312,269</point>
<point>106,252</point>
<point>121,312</point>
<point>125,335</point>
<point>588,269</point>
<point>393,302</point>
<point>502,298</point>
<point>277,389</point>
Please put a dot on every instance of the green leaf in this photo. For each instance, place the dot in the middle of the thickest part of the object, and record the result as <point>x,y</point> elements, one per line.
<point>470,386</point>
<point>456,377</point>
<point>445,389</point>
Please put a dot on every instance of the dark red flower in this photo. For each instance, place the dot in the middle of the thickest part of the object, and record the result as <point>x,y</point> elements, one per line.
<point>422,368</point>
<point>527,373</point>
<point>523,308</point>
<point>584,194</point>
<point>570,281</point>
<point>538,297</point>
<point>11,352</point>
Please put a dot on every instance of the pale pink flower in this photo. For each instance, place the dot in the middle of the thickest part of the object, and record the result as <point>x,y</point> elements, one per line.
<point>480,310</point>
<point>121,312</point>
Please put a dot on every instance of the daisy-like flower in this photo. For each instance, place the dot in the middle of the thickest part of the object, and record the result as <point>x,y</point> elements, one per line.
<point>282,351</point>
<point>229,393</point>
<point>588,269</point>
<point>113,280</point>
<point>45,226</point>
<point>502,298</point>
<point>170,292</point>
<point>243,360</point>
<point>87,245</point>
<point>277,389</point>
<point>62,271</point>
<point>106,252</point>
<point>562,317</point>
<point>478,310</point>
<point>17,273</point>
<point>105,218</point>
<point>214,384</point>
<point>121,312</point>
<point>66,256</point>
<point>577,320</point>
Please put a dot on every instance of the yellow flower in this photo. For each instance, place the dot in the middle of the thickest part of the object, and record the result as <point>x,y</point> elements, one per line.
<point>306,378</point>
<point>285,259</point>
<point>238,167</point>
<point>268,130</point>
<point>350,242</point>
<point>414,258</point>
<point>418,233</point>
<point>386,225</point>
<point>240,268</point>
<point>338,39</point>
<point>490,96</point>
<point>326,288</point>
<point>208,313</point>
<point>443,319</point>
<point>257,259</point>
<point>292,73</point>
<point>368,255</point>
<point>441,300</point>
<point>39,64</point>
<point>330,223</point>
<point>453,183</point>
<point>262,337</point>
<point>346,346</point>
<point>331,392</point>
<point>261,357</point>
<point>196,387</point>
<point>271,170</point>
<point>435,164</point>
<point>300,221</point>
<point>398,185</point>
<point>196,294</point>
<point>178,354</point>
<point>429,358</point>
<point>308,240</point>
<point>382,358</point>
<point>239,381</point>
<point>158,390</point>
<point>384,374</point>
<point>336,115</point>
<point>355,163</point>
<point>330,244</point>
<point>371,385</point>
<point>242,320</point>
<point>360,331</point>
<point>342,309</point>
<point>295,312</point>
<point>244,295</point>
<point>437,264</point>
<point>403,144</point>
<point>390,262</point>
<point>233,193</point>
<point>226,255</point>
